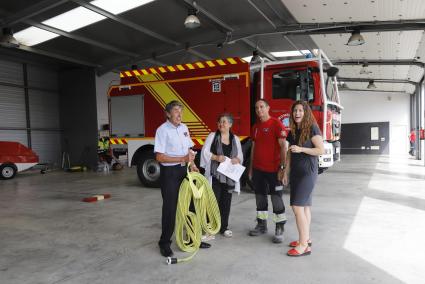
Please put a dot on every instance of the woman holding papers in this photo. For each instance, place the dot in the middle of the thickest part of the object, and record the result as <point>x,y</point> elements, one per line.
<point>306,144</point>
<point>218,146</point>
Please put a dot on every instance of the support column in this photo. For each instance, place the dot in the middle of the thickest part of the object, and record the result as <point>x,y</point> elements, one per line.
<point>418,112</point>
<point>27,106</point>
<point>421,143</point>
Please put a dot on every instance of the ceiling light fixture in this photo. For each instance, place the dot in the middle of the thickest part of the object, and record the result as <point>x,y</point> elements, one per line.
<point>342,85</point>
<point>32,36</point>
<point>75,19</point>
<point>355,39</point>
<point>7,39</point>
<point>117,7</point>
<point>371,85</point>
<point>291,53</point>
<point>364,69</point>
<point>192,21</point>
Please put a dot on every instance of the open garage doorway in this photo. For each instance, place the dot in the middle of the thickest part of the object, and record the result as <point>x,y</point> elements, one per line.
<point>399,140</point>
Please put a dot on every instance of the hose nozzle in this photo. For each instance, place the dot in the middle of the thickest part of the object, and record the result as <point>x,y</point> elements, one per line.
<point>171,260</point>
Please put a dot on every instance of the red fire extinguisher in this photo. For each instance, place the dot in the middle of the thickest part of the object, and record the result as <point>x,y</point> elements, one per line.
<point>422,134</point>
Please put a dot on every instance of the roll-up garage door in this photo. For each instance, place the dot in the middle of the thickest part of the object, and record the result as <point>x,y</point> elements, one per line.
<point>41,77</point>
<point>29,108</point>
<point>11,72</point>
<point>12,107</point>
<point>45,127</point>
<point>12,103</point>
<point>44,113</point>
<point>47,145</point>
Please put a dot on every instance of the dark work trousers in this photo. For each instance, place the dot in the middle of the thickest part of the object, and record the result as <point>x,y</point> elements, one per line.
<point>412,148</point>
<point>224,200</point>
<point>171,178</point>
<point>265,183</point>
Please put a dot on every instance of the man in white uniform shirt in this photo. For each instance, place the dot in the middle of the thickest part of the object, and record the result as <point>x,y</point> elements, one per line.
<point>172,148</point>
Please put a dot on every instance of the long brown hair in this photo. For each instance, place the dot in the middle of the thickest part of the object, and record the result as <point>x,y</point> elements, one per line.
<point>306,123</point>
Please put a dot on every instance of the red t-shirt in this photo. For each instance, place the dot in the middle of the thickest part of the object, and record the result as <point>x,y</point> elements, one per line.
<point>267,149</point>
<point>412,137</point>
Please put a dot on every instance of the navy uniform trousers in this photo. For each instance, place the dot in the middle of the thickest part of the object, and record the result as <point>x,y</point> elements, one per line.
<point>170,179</point>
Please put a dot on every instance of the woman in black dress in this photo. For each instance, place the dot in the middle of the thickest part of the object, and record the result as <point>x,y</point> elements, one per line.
<point>306,144</point>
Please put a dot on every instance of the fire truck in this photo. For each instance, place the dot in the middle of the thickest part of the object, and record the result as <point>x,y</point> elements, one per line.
<point>206,89</point>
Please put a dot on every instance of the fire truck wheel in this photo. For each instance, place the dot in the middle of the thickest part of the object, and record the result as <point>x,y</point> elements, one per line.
<point>148,169</point>
<point>8,171</point>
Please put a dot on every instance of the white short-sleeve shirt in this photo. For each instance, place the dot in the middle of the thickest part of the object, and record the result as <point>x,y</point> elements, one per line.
<point>173,141</point>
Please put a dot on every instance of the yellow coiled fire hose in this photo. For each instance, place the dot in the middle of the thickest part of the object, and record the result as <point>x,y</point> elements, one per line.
<point>189,225</point>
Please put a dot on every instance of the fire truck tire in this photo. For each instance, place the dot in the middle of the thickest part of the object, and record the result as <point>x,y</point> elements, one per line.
<point>148,169</point>
<point>8,171</point>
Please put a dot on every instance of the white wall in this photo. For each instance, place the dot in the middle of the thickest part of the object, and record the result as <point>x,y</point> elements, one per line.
<point>360,107</point>
<point>102,87</point>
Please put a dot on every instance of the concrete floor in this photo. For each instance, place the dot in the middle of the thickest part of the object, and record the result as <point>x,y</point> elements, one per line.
<point>368,227</point>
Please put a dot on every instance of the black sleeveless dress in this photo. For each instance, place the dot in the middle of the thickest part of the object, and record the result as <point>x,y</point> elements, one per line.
<point>303,171</point>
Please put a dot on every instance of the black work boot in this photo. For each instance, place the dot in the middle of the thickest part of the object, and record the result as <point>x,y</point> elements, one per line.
<point>165,250</point>
<point>260,228</point>
<point>278,235</point>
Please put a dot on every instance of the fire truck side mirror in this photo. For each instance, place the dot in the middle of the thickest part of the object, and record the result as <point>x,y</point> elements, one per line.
<point>332,71</point>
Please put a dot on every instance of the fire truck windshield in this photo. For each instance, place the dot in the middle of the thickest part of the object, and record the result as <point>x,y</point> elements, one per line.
<point>293,85</point>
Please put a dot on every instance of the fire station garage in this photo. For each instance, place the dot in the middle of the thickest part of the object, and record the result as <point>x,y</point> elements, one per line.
<point>109,108</point>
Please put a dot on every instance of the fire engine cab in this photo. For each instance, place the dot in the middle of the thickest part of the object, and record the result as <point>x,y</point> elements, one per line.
<point>206,89</point>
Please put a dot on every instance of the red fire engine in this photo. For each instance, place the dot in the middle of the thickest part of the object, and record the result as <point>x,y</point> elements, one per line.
<point>206,89</point>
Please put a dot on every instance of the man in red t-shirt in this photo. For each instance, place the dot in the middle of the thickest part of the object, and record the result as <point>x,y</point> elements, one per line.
<point>268,155</point>
<point>412,140</point>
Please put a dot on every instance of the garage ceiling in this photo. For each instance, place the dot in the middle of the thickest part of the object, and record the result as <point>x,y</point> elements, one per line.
<point>154,34</point>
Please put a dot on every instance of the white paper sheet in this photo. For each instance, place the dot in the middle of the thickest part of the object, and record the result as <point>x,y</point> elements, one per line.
<point>232,171</point>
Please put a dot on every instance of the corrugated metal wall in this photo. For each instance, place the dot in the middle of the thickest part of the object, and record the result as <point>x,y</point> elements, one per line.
<point>12,107</point>
<point>29,108</point>
<point>11,72</point>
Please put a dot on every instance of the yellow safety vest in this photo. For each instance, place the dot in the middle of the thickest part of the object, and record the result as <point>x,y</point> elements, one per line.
<point>103,144</point>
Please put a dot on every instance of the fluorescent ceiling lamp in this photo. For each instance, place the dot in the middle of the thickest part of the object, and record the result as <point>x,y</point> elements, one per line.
<point>76,19</point>
<point>290,53</point>
<point>32,36</point>
<point>119,6</point>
